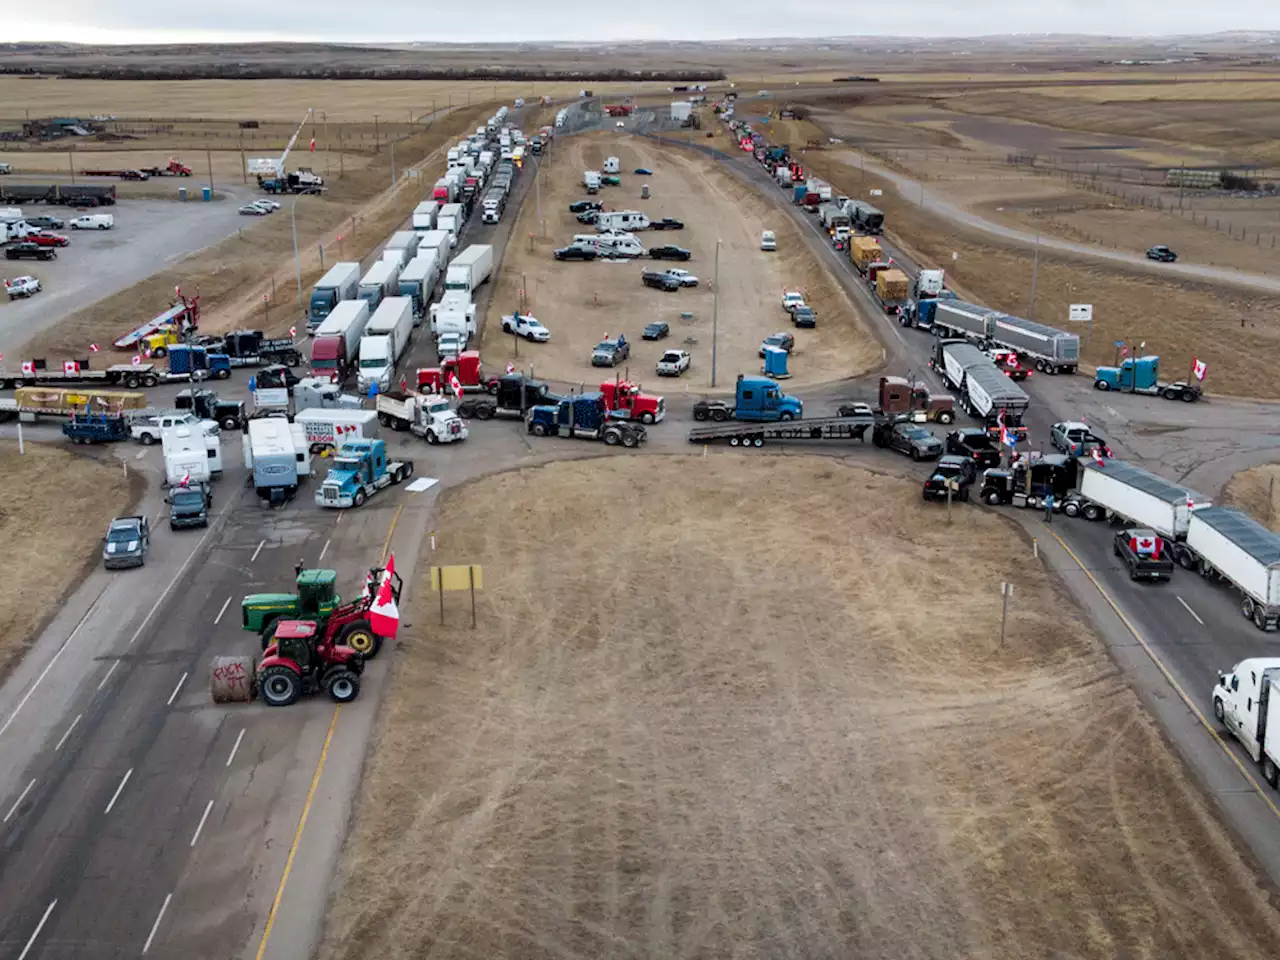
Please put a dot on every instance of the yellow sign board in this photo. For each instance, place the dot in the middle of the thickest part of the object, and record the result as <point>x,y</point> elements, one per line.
<point>457,577</point>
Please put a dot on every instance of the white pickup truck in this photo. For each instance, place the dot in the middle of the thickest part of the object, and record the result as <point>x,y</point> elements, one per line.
<point>523,325</point>
<point>148,428</point>
<point>673,363</point>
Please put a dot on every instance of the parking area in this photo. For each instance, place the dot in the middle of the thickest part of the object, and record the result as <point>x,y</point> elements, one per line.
<point>148,235</point>
<point>581,302</point>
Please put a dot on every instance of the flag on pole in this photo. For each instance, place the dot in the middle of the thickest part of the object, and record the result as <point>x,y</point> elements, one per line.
<point>313,144</point>
<point>384,615</point>
<point>457,387</point>
<point>1007,439</point>
<point>293,331</point>
<point>391,563</point>
<point>136,360</point>
<point>1096,453</point>
<point>93,348</point>
<point>511,368</point>
<point>186,479</point>
<point>1199,368</point>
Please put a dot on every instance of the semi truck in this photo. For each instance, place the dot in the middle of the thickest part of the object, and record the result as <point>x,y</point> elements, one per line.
<point>985,392</point>
<point>424,215</point>
<point>301,180</point>
<point>429,417</point>
<point>583,416</point>
<point>1049,349</point>
<point>378,283</point>
<point>1142,375</point>
<point>1247,702</point>
<point>337,340</point>
<point>385,339</point>
<point>250,348</point>
<point>469,269</point>
<point>755,399</point>
<point>70,194</point>
<point>495,201</point>
<point>511,395</point>
<point>323,431</point>
<point>465,368</point>
<point>1227,544</point>
<point>39,372</point>
<point>435,243</point>
<point>1117,488</point>
<point>416,282</point>
<point>360,470</point>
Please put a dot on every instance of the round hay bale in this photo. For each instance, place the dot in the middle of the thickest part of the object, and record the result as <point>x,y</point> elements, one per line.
<point>232,679</point>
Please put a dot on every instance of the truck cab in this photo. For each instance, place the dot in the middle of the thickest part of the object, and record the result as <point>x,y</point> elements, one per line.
<point>899,396</point>
<point>759,398</point>
<point>1025,484</point>
<point>1244,701</point>
<point>623,398</point>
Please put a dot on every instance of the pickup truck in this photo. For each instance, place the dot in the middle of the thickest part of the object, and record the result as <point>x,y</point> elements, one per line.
<point>673,363</point>
<point>149,429</point>
<point>126,542</point>
<point>1145,554</point>
<point>610,353</point>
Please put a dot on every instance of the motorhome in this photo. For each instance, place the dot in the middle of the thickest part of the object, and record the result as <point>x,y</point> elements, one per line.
<point>621,220</point>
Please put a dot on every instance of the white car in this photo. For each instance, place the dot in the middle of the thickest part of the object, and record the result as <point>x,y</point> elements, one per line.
<point>450,345</point>
<point>268,205</point>
<point>686,278</point>
<point>792,299</point>
<point>93,221</point>
<point>253,210</point>
<point>525,326</point>
<point>673,363</point>
<point>768,241</point>
<point>21,287</point>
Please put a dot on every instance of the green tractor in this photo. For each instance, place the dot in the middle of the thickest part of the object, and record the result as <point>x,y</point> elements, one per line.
<point>315,600</point>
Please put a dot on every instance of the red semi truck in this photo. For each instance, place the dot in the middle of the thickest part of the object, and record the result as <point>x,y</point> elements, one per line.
<point>466,367</point>
<point>626,398</point>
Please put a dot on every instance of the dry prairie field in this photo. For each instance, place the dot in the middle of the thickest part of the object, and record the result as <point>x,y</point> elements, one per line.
<point>703,720</point>
<point>54,532</point>
<point>581,302</point>
<point>1255,492</point>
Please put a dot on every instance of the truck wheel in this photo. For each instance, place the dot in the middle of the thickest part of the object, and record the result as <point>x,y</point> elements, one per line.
<point>786,416</point>
<point>222,374</point>
<point>611,438</point>
<point>229,422</point>
<point>757,441</point>
<point>946,416</point>
<point>1259,620</point>
<point>432,439</point>
<point>161,351</point>
<point>1039,366</point>
<point>1270,772</point>
<point>992,497</point>
<point>359,499</point>
<point>385,420</point>
<point>1246,608</point>
<point>629,439</point>
<point>733,441</point>
<point>538,429</point>
<point>484,412</point>
<point>491,388</point>
<point>1186,559</point>
<point>719,415</point>
<point>1219,712</point>
<point>1091,512</point>
<point>1071,509</point>
<point>343,686</point>
<point>150,380</point>
<point>646,417</point>
<point>1101,385</point>
<point>280,685</point>
<point>1188,396</point>
<point>396,475</point>
<point>293,359</point>
<point>131,381</point>
<point>700,413</point>
<point>359,636</point>
<point>146,439</point>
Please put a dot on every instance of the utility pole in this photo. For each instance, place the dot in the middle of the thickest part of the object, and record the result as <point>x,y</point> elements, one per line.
<point>71,162</point>
<point>244,164</point>
<point>1006,591</point>
<point>715,312</point>
<point>375,130</point>
<point>328,153</point>
<point>1035,270</point>
<point>537,189</point>
<point>342,166</point>
<point>208,156</point>
<point>395,196</point>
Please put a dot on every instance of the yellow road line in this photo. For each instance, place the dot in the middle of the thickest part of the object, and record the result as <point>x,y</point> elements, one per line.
<point>297,836</point>
<point>386,544</point>
<point>1204,722</point>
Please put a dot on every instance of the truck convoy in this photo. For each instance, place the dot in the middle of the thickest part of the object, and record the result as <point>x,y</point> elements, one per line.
<point>380,282</point>
<point>339,283</point>
<point>1116,488</point>
<point>1142,375</point>
<point>417,281</point>
<point>985,392</point>
<point>386,337</point>
<point>1247,702</point>
<point>337,340</point>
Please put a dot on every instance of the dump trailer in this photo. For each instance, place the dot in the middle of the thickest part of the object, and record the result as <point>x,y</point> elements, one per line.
<point>985,392</point>
<point>70,194</point>
<point>1247,702</point>
<point>39,372</point>
<point>1231,545</point>
<point>958,318</point>
<point>1116,488</point>
<point>866,217</point>
<point>1050,350</point>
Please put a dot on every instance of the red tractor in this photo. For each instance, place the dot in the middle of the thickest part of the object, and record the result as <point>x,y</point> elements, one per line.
<point>297,662</point>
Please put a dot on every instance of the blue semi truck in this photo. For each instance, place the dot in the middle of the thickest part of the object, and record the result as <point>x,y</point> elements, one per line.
<point>1142,375</point>
<point>586,417</point>
<point>360,469</point>
<point>757,399</point>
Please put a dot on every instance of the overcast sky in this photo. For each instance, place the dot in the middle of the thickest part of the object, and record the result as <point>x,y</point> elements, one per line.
<point>128,21</point>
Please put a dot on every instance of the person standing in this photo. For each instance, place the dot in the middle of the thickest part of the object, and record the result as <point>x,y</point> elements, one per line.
<point>1048,508</point>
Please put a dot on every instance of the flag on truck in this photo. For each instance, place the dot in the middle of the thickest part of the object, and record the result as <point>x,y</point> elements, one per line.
<point>136,360</point>
<point>511,368</point>
<point>28,368</point>
<point>186,479</point>
<point>1007,439</point>
<point>457,387</point>
<point>1199,368</point>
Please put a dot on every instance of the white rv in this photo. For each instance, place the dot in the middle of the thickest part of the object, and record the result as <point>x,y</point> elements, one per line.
<point>621,221</point>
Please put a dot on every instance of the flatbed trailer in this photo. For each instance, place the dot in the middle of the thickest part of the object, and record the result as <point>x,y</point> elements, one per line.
<point>124,375</point>
<point>185,314</point>
<point>740,434</point>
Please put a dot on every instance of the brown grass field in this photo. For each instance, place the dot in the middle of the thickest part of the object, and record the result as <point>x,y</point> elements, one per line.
<point>1257,492</point>
<point>54,510</point>
<point>713,726</point>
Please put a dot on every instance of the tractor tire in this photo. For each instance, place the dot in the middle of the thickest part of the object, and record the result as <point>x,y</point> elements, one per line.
<point>1101,385</point>
<point>343,686</point>
<point>406,471</point>
<point>719,414</point>
<point>293,358</point>
<point>1091,512</point>
<point>268,632</point>
<point>359,636</point>
<point>280,685</point>
<point>150,380</point>
<point>131,381</point>
<point>359,499</point>
<point>700,413</point>
<point>432,439</point>
<point>222,374</point>
<point>1071,509</point>
<point>484,412</point>
<point>946,416</point>
<point>396,476</point>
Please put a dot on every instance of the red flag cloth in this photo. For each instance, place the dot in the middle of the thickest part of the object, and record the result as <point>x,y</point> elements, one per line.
<point>391,563</point>
<point>384,615</point>
<point>28,366</point>
<point>93,348</point>
<point>313,144</point>
<point>457,387</point>
<point>1199,368</point>
<point>136,360</point>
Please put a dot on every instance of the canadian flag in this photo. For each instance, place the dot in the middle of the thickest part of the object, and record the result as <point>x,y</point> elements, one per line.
<point>384,615</point>
<point>29,367</point>
<point>1145,546</point>
<point>1199,368</point>
<point>313,144</point>
<point>186,479</point>
<point>511,368</point>
<point>293,331</point>
<point>70,366</point>
<point>1097,456</point>
<point>93,348</point>
<point>391,563</point>
<point>457,387</point>
<point>136,360</point>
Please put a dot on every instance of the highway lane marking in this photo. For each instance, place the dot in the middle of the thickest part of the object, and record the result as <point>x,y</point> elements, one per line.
<point>200,826</point>
<point>323,551</point>
<point>104,680</point>
<point>386,545</point>
<point>156,926</point>
<point>302,823</point>
<point>1187,606</point>
<point>226,603</point>
<point>68,733</point>
<point>258,551</point>
<point>235,748</point>
<point>39,926</point>
<point>172,583</point>
<point>178,686</point>
<point>49,666</point>
<point>1195,710</point>
<point>116,796</point>
<point>17,803</point>
<point>159,514</point>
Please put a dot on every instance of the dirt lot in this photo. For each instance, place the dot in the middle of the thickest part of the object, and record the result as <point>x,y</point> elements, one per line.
<point>54,509</point>
<point>581,302</point>
<point>1257,492</point>
<point>789,755</point>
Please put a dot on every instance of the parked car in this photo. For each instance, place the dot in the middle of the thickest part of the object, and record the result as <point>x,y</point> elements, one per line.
<point>666,223</point>
<point>610,353</point>
<point>907,437</point>
<point>768,241</point>
<point>578,206</point>
<point>643,172</point>
<point>269,205</point>
<point>93,221</point>
<point>22,287</point>
<point>575,253</point>
<point>5,169</point>
<point>1145,553</point>
<point>134,175</point>
<point>588,216</point>
<point>976,444</point>
<point>783,341</point>
<point>804,316</point>
<point>46,239</point>
<point>950,468</point>
<point>1075,439</point>
<point>686,278</point>
<point>126,542</point>
<point>523,325</point>
<point>253,210</point>
<point>659,281</point>
<point>656,331</point>
<point>855,408</point>
<point>792,299</point>
<point>45,223</point>
<point>26,250</point>
<point>673,363</point>
<point>1162,253</point>
<point>669,252</point>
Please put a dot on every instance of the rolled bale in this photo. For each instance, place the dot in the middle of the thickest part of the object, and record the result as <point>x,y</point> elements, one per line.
<point>232,679</point>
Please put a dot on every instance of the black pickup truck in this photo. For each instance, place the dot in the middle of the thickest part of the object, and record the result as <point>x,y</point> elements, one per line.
<point>1146,555</point>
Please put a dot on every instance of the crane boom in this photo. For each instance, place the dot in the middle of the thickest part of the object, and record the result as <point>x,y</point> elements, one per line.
<point>292,140</point>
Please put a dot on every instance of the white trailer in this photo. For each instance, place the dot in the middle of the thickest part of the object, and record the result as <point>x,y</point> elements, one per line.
<point>450,225</point>
<point>418,280</point>
<point>379,282</point>
<point>622,221</point>
<point>424,216</point>
<point>956,318</point>
<point>403,240</point>
<point>435,243</point>
<point>1232,545</point>
<point>326,430</point>
<point>186,455</point>
<point>272,457</point>
<point>455,313</point>
<point>1116,488</point>
<point>1247,702</point>
<point>385,339</point>
<point>469,269</point>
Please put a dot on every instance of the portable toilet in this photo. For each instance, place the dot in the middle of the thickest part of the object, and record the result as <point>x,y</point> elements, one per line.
<point>775,363</point>
<point>644,192</point>
<point>206,193</point>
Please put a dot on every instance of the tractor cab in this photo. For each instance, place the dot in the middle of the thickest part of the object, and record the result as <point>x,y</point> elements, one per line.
<point>296,640</point>
<point>316,593</point>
